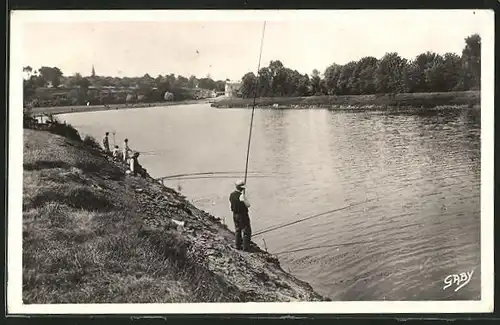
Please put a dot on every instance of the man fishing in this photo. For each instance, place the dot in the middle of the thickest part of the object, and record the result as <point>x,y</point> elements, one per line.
<point>105,142</point>
<point>239,207</point>
<point>126,151</point>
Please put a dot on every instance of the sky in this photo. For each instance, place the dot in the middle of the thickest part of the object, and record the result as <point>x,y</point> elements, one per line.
<point>227,46</point>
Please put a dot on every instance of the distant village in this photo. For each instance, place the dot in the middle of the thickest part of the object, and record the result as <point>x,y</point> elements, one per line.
<point>48,87</point>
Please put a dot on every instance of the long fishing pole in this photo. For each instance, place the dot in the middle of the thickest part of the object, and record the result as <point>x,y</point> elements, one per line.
<point>205,173</point>
<point>318,215</point>
<point>254,100</point>
<point>217,177</point>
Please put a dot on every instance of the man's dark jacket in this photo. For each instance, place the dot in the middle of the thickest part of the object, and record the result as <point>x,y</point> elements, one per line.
<point>237,206</point>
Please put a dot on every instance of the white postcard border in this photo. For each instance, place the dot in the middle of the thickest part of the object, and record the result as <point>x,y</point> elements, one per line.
<point>14,271</point>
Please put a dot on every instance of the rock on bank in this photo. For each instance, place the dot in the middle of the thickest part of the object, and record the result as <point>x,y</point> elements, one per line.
<point>92,234</point>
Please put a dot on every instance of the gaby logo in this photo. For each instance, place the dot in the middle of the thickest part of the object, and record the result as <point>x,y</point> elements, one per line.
<point>460,280</point>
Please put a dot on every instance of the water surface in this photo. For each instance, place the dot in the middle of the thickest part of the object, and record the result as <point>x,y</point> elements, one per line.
<point>419,172</point>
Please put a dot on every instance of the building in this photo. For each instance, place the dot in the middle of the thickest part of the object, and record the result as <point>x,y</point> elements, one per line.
<point>231,89</point>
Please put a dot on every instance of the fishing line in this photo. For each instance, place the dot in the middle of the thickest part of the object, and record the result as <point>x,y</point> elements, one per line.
<point>254,99</point>
<point>272,228</point>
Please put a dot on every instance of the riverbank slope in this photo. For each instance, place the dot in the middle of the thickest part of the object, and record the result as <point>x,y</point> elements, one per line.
<point>353,102</point>
<point>92,234</point>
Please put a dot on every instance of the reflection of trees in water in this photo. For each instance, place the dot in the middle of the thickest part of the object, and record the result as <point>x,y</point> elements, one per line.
<point>274,137</point>
<point>452,130</point>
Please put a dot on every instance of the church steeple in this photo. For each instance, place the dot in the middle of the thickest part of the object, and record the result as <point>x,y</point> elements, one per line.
<point>93,71</point>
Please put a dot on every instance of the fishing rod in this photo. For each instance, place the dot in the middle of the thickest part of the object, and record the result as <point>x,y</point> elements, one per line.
<point>209,173</point>
<point>217,177</point>
<point>272,228</point>
<point>150,153</point>
<point>254,100</point>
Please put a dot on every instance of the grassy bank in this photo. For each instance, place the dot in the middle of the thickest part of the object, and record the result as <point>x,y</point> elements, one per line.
<point>92,234</point>
<point>425,100</point>
<point>93,108</point>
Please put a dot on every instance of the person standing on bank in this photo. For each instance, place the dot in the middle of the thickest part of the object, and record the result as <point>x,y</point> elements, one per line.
<point>126,151</point>
<point>239,207</point>
<point>105,143</point>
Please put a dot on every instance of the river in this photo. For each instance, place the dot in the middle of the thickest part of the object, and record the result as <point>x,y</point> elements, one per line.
<point>418,174</point>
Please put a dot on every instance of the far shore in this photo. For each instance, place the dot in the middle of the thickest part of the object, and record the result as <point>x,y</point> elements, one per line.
<point>464,99</point>
<point>111,107</point>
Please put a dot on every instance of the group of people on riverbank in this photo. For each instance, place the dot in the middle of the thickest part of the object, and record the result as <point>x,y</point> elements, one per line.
<point>125,155</point>
<point>238,200</point>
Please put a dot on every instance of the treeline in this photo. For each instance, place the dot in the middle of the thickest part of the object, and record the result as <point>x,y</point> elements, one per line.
<point>48,86</point>
<point>428,72</point>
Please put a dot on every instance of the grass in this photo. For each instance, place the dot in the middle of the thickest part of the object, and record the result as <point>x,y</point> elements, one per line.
<point>84,257</point>
<point>85,242</point>
<point>79,243</point>
<point>426,100</point>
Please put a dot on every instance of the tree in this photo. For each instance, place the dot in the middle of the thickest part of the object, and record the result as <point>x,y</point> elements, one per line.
<point>220,85</point>
<point>192,82</point>
<point>158,80</point>
<point>182,81</point>
<point>206,83</point>
<point>346,84</point>
<point>292,82</point>
<point>29,89</point>
<point>391,74</point>
<point>304,86</point>
<point>332,74</point>
<point>28,70</point>
<point>452,66</point>
<point>51,75</point>
<point>434,75</point>
<point>471,58</point>
<point>248,85</point>
<point>364,73</point>
<point>416,71</point>
<point>278,77</point>
<point>315,83</point>
<point>265,82</point>
<point>84,83</point>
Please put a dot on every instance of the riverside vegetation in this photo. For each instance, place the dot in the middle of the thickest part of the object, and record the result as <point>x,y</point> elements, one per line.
<point>411,101</point>
<point>430,79</point>
<point>92,234</point>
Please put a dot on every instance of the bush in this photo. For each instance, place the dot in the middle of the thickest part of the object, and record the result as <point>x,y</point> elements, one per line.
<point>91,142</point>
<point>28,119</point>
<point>65,130</point>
